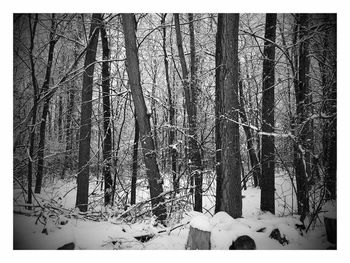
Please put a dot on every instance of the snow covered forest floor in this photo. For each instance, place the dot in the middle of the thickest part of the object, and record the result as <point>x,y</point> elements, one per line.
<point>59,223</point>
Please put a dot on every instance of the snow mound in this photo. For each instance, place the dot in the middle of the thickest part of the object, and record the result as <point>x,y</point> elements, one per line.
<point>201,222</point>
<point>222,220</point>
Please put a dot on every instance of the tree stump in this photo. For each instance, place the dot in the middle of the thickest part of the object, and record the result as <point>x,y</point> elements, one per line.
<point>198,239</point>
<point>331,229</point>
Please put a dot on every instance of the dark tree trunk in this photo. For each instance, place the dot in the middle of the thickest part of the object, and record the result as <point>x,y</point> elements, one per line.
<point>35,106</point>
<point>71,97</point>
<point>302,145</point>
<point>60,118</point>
<point>44,89</point>
<point>154,179</point>
<point>172,148</point>
<point>85,121</point>
<point>267,184</point>
<point>190,101</point>
<point>218,112</point>
<point>231,201</point>
<point>107,142</point>
<point>153,109</point>
<point>328,66</point>
<point>196,155</point>
<point>251,151</point>
<point>116,150</point>
<point>134,163</point>
<point>244,179</point>
<point>69,131</point>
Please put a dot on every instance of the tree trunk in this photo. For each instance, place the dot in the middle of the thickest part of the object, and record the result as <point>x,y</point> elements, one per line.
<point>302,145</point>
<point>231,167</point>
<point>328,66</point>
<point>116,151</point>
<point>218,111</point>
<point>172,147</point>
<point>196,155</point>
<point>44,89</point>
<point>250,147</point>
<point>69,131</point>
<point>153,108</point>
<point>191,101</point>
<point>60,118</point>
<point>154,179</point>
<point>35,106</point>
<point>267,201</point>
<point>85,121</point>
<point>107,141</point>
<point>134,163</point>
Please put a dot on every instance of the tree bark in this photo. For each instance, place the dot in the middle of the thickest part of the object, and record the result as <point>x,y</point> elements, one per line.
<point>60,118</point>
<point>44,89</point>
<point>218,111</point>
<point>328,66</point>
<point>35,106</point>
<point>302,145</point>
<point>250,147</point>
<point>154,179</point>
<point>85,121</point>
<point>107,141</point>
<point>267,202</point>
<point>190,88</point>
<point>230,147</point>
<point>172,148</point>
<point>153,107</point>
<point>69,131</point>
<point>134,163</point>
<point>196,155</point>
<point>198,239</point>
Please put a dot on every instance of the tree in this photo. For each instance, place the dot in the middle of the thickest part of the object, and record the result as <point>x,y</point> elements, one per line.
<point>328,66</point>
<point>250,147</point>
<point>71,97</point>
<point>154,179</point>
<point>231,197</point>
<point>190,87</point>
<point>267,201</point>
<point>85,119</point>
<point>172,148</point>
<point>134,163</point>
<point>52,42</point>
<point>302,145</point>
<point>218,111</point>
<point>32,29</point>
<point>107,138</point>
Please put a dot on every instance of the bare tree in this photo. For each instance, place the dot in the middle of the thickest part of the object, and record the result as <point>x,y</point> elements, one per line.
<point>52,42</point>
<point>134,163</point>
<point>231,197</point>
<point>85,119</point>
<point>218,112</point>
<point>172,148</point>
<point>248,133</point>
<point>154,179</point>
<point>267,200</point>
<point>328,66</point>
<point>190,87</point>
<point>32,29</point>
<point>301,148</point>
<point>107,138</point>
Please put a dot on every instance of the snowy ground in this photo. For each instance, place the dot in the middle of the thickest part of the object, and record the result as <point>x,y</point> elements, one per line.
<point>117,234</point>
